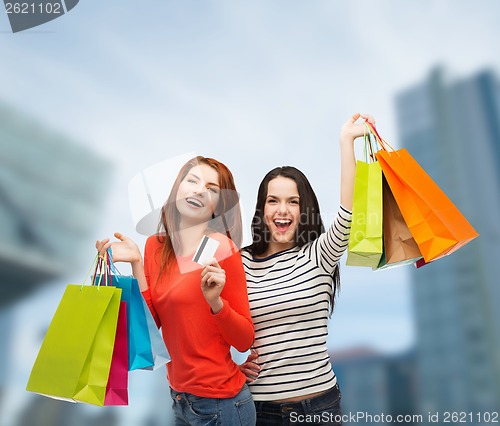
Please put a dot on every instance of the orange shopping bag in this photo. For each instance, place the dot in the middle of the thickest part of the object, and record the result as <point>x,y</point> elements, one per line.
<point>435,222</point>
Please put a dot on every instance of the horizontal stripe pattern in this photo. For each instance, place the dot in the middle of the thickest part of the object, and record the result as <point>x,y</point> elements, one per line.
<point>289,295</point>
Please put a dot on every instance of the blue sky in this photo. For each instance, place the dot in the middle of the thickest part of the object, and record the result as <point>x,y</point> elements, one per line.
<point>254,84</point>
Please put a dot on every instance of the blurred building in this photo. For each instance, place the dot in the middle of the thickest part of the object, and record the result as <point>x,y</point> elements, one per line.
<point>50,194</point>
<point>50,191</point>
<point>4,336</point>
<point>452,128</point>
<point>376,388</point>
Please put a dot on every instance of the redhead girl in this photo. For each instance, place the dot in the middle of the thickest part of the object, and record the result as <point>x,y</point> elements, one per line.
<point>203,310</point>
<point>292,270</point>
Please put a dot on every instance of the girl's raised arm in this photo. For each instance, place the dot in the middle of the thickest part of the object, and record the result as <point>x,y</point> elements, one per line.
<point>349,132</point>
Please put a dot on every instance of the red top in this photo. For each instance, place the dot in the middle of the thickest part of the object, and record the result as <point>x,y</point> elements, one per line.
<point>198,340</point>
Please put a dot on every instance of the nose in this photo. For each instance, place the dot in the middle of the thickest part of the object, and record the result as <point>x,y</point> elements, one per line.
<point>282,208</point>
<point>200,189</point>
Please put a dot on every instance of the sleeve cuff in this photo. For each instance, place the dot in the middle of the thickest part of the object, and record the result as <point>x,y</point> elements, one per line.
<point>344,210</point>
<point>146,294</point>
<point>223,313</point>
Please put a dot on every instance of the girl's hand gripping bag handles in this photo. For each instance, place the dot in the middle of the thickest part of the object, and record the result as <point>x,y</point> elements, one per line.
<point>366,239</point>
<point>140,355</point>
<point>75,357</point>
<point>436,224</point>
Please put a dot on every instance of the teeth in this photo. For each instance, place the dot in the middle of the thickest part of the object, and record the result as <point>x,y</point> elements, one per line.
<point>282,222</point>
<point>194,202</point>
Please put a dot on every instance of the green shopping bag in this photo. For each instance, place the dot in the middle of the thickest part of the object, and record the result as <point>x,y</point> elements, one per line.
<point>366,238</point>
<point>75,357</point>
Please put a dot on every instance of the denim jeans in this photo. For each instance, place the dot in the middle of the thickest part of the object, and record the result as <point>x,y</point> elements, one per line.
<point>320,410</point>
<point>193,410</point>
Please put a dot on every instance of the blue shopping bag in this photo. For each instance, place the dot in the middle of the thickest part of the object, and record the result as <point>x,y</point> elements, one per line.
<point>160,351</point>
<point>140,355</point>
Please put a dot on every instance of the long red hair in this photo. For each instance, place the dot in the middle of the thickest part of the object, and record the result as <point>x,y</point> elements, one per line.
<point>226,218</point>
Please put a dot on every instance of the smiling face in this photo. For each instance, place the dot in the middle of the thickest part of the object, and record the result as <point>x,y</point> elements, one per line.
<point>198,194</point>
<point>282,213</point>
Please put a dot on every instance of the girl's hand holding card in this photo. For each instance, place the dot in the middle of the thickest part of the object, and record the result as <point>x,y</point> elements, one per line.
<point>213,279</point>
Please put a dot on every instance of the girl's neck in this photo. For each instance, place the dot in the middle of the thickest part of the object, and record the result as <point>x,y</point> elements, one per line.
<point>190,236</point>
<point>274,248</point>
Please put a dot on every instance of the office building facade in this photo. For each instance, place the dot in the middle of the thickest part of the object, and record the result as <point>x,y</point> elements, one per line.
<point>452,128</point>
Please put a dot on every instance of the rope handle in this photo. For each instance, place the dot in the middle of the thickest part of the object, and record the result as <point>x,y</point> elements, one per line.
<point>382,142</point>
<point>102,270</point>
<point>113,270</point>
<point>371,144</point>
<point>97,267</point>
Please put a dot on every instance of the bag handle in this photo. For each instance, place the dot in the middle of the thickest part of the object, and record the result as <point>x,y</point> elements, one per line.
<point>113,270</point>
<point>92,266</point>
<point>97,267</point>
<point>101,269</point>
<point>371,145</point>
<point>382,142</point>
<point>367,151</point>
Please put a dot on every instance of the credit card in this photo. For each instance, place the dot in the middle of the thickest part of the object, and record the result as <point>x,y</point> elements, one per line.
<point>206,250</point>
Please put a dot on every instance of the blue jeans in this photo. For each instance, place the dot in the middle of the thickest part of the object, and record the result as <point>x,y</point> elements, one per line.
<point>194,410</point>
<point>320,410</point>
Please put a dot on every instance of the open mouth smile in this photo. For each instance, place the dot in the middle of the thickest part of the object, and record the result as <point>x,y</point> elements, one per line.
<point>282,224</point>
<point>194,202</point>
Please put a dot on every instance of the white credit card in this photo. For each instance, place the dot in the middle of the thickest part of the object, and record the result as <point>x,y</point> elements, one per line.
<point>206,250</point>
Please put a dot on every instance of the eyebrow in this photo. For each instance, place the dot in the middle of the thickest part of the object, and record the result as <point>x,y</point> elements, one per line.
<point>275,196</point>
<point>197,177</point>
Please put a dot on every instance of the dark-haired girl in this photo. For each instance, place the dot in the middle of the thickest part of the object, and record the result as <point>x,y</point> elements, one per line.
<point>292,275</point>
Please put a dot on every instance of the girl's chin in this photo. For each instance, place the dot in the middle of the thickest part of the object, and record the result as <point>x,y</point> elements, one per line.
<point>194,219</point>
<point>280,238</point>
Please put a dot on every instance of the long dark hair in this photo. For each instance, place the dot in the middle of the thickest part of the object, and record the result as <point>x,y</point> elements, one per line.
<point>310,224</point>
<point>226,218</point>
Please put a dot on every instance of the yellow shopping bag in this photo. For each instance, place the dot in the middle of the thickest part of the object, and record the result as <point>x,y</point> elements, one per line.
<point>75,357</point>
<point>366,238</point>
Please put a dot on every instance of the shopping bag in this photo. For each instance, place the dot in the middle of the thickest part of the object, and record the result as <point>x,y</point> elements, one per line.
<point>139,343</point>
<point>158,348</point>
<point>366,239</point>
<point>140,355</point>
<point>400,247</point>
<point>75,357</point>
<point>117,387</point>
<point>436,224</point>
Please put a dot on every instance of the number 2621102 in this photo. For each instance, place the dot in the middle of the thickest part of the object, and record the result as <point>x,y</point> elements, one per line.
<point>34,8</point>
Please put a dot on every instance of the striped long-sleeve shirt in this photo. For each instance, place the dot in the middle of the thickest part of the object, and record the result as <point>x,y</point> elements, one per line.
<point>289,295</point>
